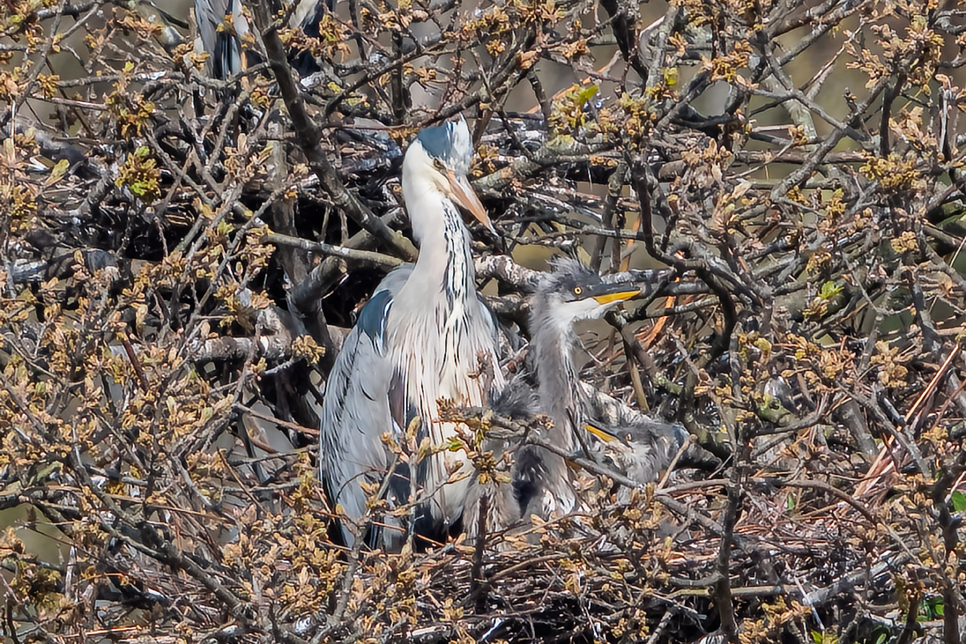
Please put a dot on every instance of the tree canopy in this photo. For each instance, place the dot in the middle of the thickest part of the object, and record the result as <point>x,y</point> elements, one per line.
<point>182,255</point>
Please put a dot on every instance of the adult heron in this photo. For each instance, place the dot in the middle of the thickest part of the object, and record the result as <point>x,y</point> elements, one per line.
<point>424,335</point>
<point>640,447</point>
<point>225,54</point>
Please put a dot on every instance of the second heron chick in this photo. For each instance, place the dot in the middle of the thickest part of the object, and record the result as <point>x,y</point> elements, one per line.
<point>640,448</point>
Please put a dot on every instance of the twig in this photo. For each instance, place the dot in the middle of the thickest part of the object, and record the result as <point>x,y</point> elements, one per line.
<point>478,584</point>
<point>309,136</point>
<point>357,257</point>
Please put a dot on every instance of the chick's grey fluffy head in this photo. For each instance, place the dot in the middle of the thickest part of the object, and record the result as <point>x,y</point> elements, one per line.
<point>560,300</point>
<point>566,277</point>
<point>573,292</point>
<point>451,143</point>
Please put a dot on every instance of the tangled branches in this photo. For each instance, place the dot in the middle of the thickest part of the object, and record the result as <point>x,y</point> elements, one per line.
<point>182,256</point>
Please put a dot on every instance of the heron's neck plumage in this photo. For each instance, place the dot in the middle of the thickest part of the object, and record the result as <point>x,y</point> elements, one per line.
<point>557,376</point>
<point>443,276</point>
<point>446,331</point>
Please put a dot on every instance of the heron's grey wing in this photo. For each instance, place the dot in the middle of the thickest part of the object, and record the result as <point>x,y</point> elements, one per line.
<point>356,410</point>
<point>306,15</point>
<point>223,48</point>
<point>208,15</point>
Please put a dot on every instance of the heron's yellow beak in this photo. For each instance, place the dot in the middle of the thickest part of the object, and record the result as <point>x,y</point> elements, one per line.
<point>600,433</point>
<point>625,293</point>
<point>461,192</point>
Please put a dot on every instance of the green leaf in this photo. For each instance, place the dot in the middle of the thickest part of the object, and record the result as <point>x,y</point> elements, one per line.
<point>959,501</point>
<point>584,94</point>
<point>829,290</point>
<point>824,637</point>
<point>57,172</point>
<point>932,609</point>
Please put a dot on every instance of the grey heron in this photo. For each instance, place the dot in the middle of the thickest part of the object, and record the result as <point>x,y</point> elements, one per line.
<point>639,447</point>
<point>424,335</point>
<point>223,45</point>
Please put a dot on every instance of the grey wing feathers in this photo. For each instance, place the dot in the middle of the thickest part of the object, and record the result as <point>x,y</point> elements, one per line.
<point>518,399</point>
<point>223,48</point>
<point>491,318</point>
<point>356,411</point>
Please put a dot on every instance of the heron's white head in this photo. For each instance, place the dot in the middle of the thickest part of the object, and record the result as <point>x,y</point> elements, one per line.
<point>436,166</point>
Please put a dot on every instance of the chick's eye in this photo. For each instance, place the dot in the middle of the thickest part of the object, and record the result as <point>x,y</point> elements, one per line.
<point>578,290</point>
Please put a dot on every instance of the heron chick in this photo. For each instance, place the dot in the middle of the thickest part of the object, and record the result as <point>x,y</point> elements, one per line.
<point>639,449</point>
<point>424,335</point>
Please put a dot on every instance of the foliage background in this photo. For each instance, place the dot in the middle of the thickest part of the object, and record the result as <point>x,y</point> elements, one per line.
<point>181,256</point>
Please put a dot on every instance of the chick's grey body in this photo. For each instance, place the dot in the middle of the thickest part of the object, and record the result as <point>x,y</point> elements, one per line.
<point>424,335</point>
<point>637,446</point>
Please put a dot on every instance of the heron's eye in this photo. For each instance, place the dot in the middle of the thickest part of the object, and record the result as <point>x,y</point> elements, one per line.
<point>438,164</point>
<point>578,290</point>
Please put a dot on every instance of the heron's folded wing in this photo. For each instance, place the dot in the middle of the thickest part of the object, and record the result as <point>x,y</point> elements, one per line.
<point>222,46</point>
<point>356,410</point>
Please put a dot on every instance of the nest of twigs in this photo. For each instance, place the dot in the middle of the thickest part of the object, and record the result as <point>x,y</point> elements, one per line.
<point>182,255</point>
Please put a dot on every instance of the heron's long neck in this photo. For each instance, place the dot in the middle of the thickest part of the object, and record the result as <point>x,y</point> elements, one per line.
<point>445,261</point>
<point>447,331</point>
<point>558,379</point>
<point>439,332</point>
